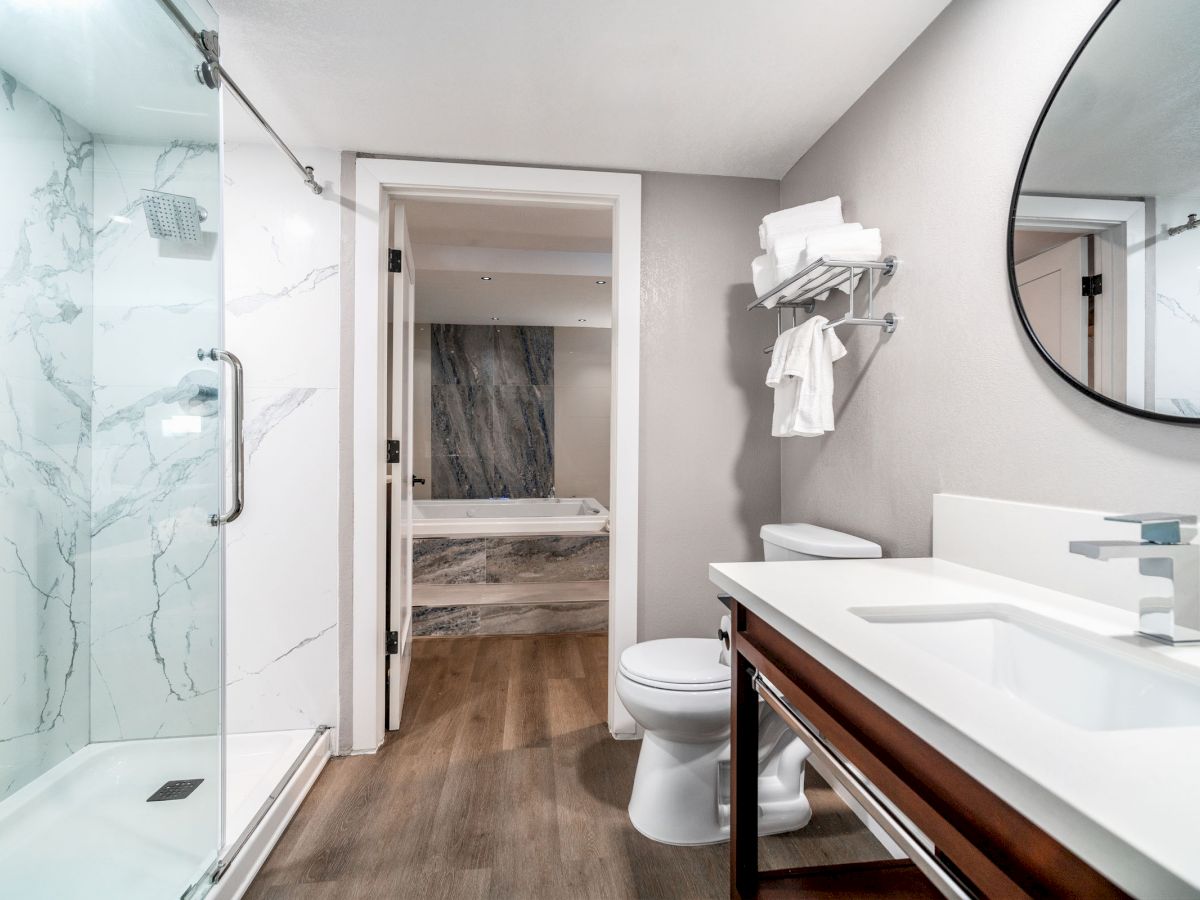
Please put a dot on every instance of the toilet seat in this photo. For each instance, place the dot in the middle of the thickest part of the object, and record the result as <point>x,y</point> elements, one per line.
<point>677,664</point>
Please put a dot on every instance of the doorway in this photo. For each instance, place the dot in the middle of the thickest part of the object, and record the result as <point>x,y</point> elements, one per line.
<point>1081,266</point>
<point>601,537</point>
<point>500,394</point>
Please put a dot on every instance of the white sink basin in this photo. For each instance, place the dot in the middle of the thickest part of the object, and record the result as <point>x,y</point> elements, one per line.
<point>1088,680</point>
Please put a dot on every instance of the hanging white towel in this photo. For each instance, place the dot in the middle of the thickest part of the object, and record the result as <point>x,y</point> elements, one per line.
<point>821,214</point>
<point>801,373</point>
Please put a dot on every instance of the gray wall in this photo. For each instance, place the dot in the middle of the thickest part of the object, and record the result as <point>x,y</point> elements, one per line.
<point>958,400</point>
<point>708,464</point>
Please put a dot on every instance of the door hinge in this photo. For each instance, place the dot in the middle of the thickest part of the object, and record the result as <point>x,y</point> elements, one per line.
<point>393,642</point>
<point>394,260</point>
<point>393,451</point>
<point>1093,285</point>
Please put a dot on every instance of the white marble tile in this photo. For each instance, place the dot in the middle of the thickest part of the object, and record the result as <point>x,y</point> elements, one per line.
<point>282,318</point>
<point>282,252</point>
<point>45,434</point>
<point>281,565</point>
<point>155,464</point>
<point>1177,314</point>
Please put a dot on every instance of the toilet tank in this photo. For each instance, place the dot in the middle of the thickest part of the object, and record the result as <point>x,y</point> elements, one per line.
<point>800,541</point>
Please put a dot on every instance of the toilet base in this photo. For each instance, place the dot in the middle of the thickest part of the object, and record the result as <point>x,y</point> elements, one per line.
<point>680,792</point>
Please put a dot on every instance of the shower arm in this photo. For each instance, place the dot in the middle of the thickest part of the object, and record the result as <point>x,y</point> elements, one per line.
<point>212,73</point>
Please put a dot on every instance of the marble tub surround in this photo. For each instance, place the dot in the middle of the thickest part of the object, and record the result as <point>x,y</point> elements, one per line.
<point>547,559</point>
<point>570,617</point>
<point>449,561</point>
<point>510,560</point>
<point>45,433</point>
<point>491,411</point>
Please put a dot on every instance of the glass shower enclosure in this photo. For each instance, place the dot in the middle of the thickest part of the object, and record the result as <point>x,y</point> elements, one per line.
<point>111,453</point>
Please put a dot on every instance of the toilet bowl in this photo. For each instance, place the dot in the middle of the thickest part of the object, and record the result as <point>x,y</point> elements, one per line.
<point>677,690</point>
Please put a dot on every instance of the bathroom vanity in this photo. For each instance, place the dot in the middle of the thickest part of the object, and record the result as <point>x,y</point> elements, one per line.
<point>1012,740</point>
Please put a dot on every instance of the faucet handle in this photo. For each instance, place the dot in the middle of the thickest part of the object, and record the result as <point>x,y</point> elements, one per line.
<point>1158,527</point>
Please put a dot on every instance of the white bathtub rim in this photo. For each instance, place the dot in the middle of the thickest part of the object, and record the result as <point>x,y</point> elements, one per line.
<point>510,526</point>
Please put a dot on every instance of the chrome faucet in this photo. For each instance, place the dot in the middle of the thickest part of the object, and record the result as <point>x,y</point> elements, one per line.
<point>1166,551</point>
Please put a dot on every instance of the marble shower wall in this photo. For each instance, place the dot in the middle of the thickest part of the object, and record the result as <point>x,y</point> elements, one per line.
<point>1177,313</point>
<point>45,433</point>
<point>282,319</point>
<point>155,639</point>
<point>492,411</point>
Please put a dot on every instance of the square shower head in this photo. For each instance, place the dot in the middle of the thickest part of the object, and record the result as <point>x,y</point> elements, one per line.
<point>172,217</point>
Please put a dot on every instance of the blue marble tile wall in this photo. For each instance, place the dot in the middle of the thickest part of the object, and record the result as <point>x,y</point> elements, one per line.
<point>549,558</point>
<point>492,411</point>
<point>45,433</point>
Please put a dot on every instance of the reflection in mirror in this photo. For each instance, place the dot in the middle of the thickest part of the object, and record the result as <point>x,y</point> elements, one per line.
<point>1105,243</point>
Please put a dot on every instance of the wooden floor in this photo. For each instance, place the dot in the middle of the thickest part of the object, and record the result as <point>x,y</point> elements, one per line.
<point>504,782</point>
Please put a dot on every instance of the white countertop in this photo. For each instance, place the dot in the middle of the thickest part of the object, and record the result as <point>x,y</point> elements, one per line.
<point>1127,802</point>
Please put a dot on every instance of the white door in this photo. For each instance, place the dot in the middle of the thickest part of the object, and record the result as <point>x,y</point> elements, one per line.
<point>1052,294</point>
<point>402,292</point>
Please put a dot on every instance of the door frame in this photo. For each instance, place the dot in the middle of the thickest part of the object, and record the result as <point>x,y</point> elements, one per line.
<point>401,299</point>
<point>1090,214</point>
<point>378,182</point>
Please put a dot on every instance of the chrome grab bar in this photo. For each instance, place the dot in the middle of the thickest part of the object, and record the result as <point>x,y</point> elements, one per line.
<point>830,765</point>
<point>239,444</point>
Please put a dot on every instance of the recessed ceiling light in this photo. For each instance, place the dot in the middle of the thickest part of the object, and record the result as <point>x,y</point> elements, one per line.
<point>582,320</point>
<point>495,318</point>
<point>601,281</point>
<point>485,277</point>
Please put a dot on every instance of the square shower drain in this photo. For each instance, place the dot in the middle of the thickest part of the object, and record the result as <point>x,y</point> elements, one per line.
<point>175,790</point>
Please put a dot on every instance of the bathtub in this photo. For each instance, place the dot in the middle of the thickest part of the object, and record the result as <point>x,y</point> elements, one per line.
<point>478,518</point>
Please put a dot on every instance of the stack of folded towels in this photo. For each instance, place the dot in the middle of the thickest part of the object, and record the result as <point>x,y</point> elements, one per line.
<point>794,238</point>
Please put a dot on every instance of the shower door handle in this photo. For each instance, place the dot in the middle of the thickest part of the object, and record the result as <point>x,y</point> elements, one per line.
<point>236,435</point>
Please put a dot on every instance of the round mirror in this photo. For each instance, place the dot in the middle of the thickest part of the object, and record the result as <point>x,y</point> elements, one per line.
<point>1104,231</point>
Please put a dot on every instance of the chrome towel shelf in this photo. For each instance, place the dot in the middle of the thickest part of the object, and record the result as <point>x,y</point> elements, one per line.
<point>826,274</point>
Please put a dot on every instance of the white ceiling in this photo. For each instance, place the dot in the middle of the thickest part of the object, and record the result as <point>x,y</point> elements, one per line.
<point>525,227</point>
<point>460,298</point>
<point>1127,120</point>
<point>712,87</point>
<point>542,263</point>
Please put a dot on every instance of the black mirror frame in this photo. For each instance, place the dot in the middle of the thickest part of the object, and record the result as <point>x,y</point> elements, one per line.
<point>1012,267</point>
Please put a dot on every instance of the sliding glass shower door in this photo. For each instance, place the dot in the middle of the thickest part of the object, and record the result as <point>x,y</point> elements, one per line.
<point>111,680</point>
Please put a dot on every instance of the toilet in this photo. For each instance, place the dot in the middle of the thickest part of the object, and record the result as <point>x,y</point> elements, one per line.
<point>677,689</point>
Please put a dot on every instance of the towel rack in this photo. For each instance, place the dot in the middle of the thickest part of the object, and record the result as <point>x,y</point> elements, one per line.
<point>828,274</point>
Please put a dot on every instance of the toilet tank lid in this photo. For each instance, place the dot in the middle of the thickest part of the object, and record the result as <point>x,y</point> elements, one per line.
<point>817,541</point>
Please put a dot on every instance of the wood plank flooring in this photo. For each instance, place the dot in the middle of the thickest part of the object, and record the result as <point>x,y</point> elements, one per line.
<point>504,783</point>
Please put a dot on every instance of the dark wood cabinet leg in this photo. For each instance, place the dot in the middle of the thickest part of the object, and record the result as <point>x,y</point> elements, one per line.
<point>743,772</point>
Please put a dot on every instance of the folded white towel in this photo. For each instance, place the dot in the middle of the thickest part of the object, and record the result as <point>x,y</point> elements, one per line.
<point>799,218</point>
<point>801,373</point>
<point>789,248</point>
<point>864,245</point>
<point>763,274</point>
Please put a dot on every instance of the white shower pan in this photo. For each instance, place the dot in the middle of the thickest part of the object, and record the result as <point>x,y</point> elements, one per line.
<point>85,830</point>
